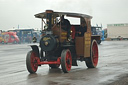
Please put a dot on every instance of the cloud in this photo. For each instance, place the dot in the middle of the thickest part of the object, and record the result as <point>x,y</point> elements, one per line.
<point>14,12</point>
<point>81,6</point>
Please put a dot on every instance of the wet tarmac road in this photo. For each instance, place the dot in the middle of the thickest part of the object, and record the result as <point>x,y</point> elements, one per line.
<point>113,64</point>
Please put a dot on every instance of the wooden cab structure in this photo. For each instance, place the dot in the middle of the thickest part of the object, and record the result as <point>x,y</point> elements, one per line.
<point>64,42</point>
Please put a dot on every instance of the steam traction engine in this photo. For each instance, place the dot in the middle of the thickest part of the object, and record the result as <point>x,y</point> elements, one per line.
<point>63,43</point>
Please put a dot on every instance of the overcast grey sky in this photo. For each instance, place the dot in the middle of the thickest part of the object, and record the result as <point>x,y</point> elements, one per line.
<point>21,12</point>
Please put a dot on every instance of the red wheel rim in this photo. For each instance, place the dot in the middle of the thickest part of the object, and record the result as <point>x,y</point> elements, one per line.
<point>95,54</point>
<point>34,63</point>
<point>68,61</point>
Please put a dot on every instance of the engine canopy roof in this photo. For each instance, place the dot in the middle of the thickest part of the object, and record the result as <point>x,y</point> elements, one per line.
<point>57,14</point>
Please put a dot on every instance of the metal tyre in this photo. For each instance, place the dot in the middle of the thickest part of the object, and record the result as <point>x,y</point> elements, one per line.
<point>54,65</point>
<point>66,60</point>
<point>31,62</point>
<point>92,61</point>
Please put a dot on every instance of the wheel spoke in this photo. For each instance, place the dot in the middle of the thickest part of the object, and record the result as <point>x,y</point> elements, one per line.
<point>66,60</point>
<point>92,61</point>
<point>95,54</point>
<point>34,63</point>
<point>31,62</point>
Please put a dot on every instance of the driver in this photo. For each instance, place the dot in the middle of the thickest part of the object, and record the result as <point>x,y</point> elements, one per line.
<point>65,25</point>
<point>82,29</point>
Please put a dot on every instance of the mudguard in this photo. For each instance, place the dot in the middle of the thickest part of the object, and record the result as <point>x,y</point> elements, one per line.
<point>35,49</point>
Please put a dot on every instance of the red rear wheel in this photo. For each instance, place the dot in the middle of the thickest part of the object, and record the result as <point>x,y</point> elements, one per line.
<point>92,61</point>
<point>66,61</point>
<point>31,62</point>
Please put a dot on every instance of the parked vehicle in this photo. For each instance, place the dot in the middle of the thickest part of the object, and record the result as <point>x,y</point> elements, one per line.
<point>117,31</point>
<point>63,43</point>
<point>9,37</point>
<point>105,33</point>
<point>26,34</point>
<point>97,31</point>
